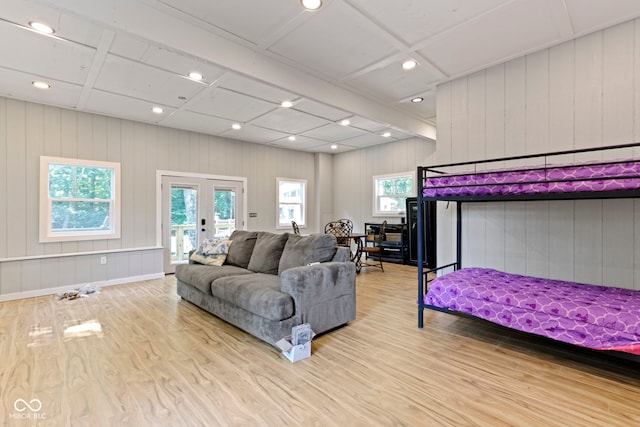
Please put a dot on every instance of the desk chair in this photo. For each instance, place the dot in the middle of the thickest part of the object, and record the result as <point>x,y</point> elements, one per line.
<point>376,249</point>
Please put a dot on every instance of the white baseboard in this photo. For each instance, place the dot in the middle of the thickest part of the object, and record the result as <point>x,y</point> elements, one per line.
<point>61,289</point>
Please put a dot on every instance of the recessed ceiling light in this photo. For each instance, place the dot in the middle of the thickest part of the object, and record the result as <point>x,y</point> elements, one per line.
<point>292,138</point>
<point>409,65</point>
<point>334,147</point>
<point>157,110</point>
<point>236,126</point>
<point>41,85</point>
<point>386,134</point>
<point>43,28</point>
<point>311,4</point>
<point>194,75</point>
<point>345,122</point>
<point>287,104</point>
<point>417,99</point>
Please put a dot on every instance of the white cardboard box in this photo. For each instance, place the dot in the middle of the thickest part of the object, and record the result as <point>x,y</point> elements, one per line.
<point>299,350</point>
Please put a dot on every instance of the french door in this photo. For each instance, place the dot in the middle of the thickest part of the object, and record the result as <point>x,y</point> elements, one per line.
<point>194,209</point>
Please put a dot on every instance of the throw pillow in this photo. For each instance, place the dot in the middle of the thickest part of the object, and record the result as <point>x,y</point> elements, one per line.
<point>211,252</point>
<point>302,250</point>
<point>267,251</point>
<point>243,243</point>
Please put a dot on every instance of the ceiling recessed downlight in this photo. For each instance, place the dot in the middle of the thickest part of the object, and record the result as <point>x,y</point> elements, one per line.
<point>292,138</point>
<point>236,126</point>
<point>345,122</point>
<point>417,99</point>
<point>386,134</point>
<point>41,85</point>
<point>311,4</point>
<point>287,104</point>
<point>43,28</point>
<point>157,110</point>
<point>334,146</point>
<point>194,75</point>
<point>409,64</point>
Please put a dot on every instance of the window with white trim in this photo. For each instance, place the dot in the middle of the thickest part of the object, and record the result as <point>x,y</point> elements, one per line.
<point>390,193</point>
<point>79,199</point>
<point>292,202</point>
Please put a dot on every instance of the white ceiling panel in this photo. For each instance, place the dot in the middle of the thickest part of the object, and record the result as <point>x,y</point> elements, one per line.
<point>197,122</point>
<point>111,104</point>
<point>589,15</point>
<point>51,57</point>
<point>181,64</point>
<point>413,21</point>
<point>333,132</point>
<point>320,110</point>
<point>15,84</point>
<point>368,140</point>
<point>254,134</point>
<point>259,90</point>
<point>503,33</point>
<point>366,124</point>
<point>336,42</point>
<point>289,121</point>
<point>392,82</point>
<point>230,105</point>
<point>258,18</point>
<point>137,80</point>
<point>300,143</point>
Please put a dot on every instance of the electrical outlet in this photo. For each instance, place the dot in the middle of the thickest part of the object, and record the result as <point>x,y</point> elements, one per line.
<point>103,260</point>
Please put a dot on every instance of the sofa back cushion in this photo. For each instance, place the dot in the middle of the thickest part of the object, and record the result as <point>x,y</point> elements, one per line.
<point>302,250</point>
<point>242,248</point>
<point>267,251</point>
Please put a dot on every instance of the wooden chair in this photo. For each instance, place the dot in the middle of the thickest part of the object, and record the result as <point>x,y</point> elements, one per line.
<point>342,229</point>
<point>296,230</point>
<point>376,249</point>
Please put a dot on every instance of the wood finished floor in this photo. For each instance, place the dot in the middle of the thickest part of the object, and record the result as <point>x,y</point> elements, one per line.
<point>136,355</point>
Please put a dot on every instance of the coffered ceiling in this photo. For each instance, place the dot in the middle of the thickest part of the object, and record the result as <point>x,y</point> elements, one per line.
<point>342,62</point>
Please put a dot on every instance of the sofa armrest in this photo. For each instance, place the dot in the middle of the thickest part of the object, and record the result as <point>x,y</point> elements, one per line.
<point>343,254</point>
<point>315,284</point>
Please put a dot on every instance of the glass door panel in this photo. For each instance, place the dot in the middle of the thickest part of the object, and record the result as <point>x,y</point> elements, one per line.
<point>184,214</point>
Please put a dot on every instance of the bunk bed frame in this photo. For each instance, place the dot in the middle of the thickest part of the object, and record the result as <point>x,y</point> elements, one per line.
<point>542,164</point>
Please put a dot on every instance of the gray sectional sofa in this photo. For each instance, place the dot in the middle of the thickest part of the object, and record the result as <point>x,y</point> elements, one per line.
<point>266,285</point>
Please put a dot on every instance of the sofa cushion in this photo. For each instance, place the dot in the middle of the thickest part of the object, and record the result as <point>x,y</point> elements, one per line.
<point>266,254</point>
<point>242,248</point>
<point>201,276</point>
<point>257,293</point>
<point>302,250</point>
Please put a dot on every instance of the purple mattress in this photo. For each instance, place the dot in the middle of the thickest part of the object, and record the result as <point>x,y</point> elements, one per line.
<point>597,317</point>
<point>588,177</point>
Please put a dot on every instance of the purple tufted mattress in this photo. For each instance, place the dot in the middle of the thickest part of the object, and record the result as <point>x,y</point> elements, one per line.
<point>597,317</point>
<point>588,177</point>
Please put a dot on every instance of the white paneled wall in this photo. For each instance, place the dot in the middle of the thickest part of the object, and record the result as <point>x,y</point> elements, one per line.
<point>583,93</point>
<point>29,130</point>
<point>354,172</point>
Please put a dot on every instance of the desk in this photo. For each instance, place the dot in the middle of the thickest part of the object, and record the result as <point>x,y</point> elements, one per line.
<point>357,256</point>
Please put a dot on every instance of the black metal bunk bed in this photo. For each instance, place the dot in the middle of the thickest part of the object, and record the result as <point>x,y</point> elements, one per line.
<point>616,178</point>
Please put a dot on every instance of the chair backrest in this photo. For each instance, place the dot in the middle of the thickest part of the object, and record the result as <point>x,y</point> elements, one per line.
<point>296,230</point>
<point>341,229</point>
<point>381,236</point>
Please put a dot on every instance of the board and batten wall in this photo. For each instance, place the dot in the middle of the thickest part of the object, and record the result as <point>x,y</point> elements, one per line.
<point>354,172</point>
<point>29,130</point>
<point>583,93</point>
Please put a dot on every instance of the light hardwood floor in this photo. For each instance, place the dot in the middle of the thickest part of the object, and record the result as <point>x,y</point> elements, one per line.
<point>136,355</point>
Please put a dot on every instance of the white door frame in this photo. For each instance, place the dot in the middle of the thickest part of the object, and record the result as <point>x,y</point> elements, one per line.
<point>164,173</point>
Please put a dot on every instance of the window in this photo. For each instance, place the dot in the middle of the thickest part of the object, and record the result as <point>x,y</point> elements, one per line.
<point>292,202</point>
<point>391,192</point>
<point>79,200</point>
